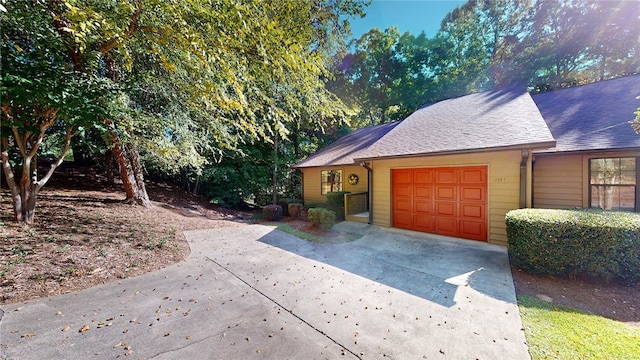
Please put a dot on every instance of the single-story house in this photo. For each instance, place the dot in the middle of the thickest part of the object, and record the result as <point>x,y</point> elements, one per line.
<point>456,167</point>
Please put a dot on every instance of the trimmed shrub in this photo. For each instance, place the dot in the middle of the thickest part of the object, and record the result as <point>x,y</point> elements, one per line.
<point>295,210</point>
<point>335,202</point>
<point>322,218</point>
<point>272,212</point>
<point>590,242</point>
<point>314,204</point>
<point>284,202</point>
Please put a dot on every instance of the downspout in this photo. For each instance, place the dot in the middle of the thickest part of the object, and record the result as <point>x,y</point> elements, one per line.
<point>526,179</point>
<point>370,189</point>
<point>529,199</point>
<point>523,178</point>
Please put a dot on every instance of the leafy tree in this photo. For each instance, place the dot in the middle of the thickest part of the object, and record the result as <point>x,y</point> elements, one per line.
<point>192,72</point>
<point>41,93</point>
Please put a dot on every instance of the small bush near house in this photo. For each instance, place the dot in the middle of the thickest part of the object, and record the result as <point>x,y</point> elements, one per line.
<point>335,202</point>
<point>295,210</point>
<point>314,204</point>
<point>322,218</point>
<point>590,242</point>
<point>272,212</point>
<point>284,202</point>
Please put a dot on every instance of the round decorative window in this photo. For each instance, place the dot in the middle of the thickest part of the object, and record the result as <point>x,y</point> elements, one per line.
<point>353,179</point>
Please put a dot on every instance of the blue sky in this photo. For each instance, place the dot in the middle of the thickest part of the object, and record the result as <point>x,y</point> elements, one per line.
<point>414,16</point>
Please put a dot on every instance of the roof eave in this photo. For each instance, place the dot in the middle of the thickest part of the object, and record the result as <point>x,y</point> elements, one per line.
<point>585,151</point>
<point>528,146</point>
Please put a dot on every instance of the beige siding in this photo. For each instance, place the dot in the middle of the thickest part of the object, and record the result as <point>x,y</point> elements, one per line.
<point>311,180</point>
<point>503,187</point>
<point>562,180</point>
<point>361,172</point>
<point>558,181</point>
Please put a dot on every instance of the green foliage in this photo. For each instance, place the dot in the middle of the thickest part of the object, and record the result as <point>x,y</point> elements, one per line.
<point>272,212</point>
<point>295,210</point>
<point>335,202</point>
<point>232,187</point>
<point>284,202</point>
<point>314,204</point>
<point>322,218</point>
<point>483,45</point>
<point>636,122</point>
<point>196,80</point>
<point>591,242</point>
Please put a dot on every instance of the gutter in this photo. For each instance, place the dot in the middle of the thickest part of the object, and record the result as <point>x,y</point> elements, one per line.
<point>370,189</point>
<point>538,145</point>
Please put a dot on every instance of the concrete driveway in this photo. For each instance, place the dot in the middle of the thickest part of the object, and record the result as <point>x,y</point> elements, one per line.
<point>249,291</point>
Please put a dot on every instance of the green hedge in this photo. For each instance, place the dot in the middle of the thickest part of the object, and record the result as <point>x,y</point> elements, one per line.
<point>314,204</point>
<point>335,202</point>
<point>590,242</point>
<point>322,218</point>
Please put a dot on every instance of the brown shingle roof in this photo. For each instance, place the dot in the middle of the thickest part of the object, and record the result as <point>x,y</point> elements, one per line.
<point>594,116</point>
<point>348,147</point>
<point>484,121</point>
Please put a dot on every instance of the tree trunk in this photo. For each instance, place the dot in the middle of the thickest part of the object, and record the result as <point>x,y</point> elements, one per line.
<point>29,209</point>
<point>133,183</point>
<point>110,169</point>
<point>126,174</point>
<point>11,181</point>
<point>275,168</point>
<point>138,175</point>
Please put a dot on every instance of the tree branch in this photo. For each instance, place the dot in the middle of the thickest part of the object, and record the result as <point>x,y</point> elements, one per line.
<point>133,28</point>
<point>70,132</point>
<point>6,167</point>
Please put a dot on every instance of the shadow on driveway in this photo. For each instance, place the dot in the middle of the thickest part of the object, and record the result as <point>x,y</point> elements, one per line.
<point>429,266</point>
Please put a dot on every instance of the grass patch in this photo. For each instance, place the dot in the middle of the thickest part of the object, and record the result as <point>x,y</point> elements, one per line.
<point>557,332</point>
<point>295,232</point>
<point>332,237</point>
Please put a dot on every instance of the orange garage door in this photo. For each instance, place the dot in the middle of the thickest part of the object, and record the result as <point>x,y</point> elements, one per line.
<point>449,201</point>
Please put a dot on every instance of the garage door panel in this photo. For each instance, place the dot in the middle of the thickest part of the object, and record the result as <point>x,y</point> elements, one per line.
<point>402,220</point>
<point>446,176</point>
<point>423,207</point>
<point>446,193</point>
<point>472,193</point>
<point>476,175</point>
<point>476,230</point>
<point>447,209</point>
<point>402,176</point>
<point>423,176</point>
<point>423,223</point>
<point>449,201</point>
<point>403,205</point>
<point>402,191</point>
<point>423,191</point>
<point>474,211</point>
<point>446,226</point>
